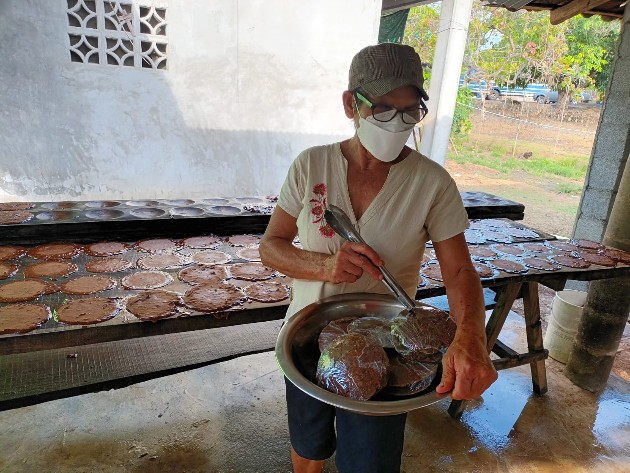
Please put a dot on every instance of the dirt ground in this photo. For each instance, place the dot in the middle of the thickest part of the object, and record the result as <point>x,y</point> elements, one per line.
<point>571,131</point>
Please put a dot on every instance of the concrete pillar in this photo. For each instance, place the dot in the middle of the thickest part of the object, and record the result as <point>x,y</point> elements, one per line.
<point>611,147</point>
<point>606,310</point>
<point>447,65</point>
<point>605,212</point>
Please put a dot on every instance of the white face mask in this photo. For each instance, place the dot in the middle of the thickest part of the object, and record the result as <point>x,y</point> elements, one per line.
<point>384,140</point>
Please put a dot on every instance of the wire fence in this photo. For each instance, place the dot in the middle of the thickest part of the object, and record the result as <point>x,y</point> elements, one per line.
<point>542,125</point>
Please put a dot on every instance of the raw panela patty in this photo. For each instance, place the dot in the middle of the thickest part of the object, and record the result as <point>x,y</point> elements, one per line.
<point>154,304</point>
<point>92,310</point>
<point>146,280</point>
<point>26,290</point>
<point>87,285</point>
<point>48,269</point>
<point>22,318</point>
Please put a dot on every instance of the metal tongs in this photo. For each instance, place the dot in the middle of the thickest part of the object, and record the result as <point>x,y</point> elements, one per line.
<point>339,221</point>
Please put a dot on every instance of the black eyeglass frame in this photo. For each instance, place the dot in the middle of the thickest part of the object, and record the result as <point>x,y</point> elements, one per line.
<point>422,108</point>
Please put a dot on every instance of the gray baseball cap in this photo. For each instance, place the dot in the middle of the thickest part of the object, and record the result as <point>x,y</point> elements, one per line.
<point>379,69</point>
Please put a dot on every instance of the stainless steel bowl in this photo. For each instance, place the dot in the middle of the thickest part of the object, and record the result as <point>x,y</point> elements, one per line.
<point>297,351</point>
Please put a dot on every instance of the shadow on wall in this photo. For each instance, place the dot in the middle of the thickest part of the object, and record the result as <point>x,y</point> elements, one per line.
<point>87,131</point>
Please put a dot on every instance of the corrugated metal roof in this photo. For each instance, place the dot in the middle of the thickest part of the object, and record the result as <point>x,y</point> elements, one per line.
<point>509,4</point>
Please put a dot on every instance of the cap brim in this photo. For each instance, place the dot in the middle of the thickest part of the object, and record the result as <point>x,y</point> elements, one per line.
<point>380,87</point>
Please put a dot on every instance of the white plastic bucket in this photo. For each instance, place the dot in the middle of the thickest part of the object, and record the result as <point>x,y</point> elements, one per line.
<point>566,311</point>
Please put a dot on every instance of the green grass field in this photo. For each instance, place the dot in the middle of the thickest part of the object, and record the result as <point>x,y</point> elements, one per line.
<point>501,155</point>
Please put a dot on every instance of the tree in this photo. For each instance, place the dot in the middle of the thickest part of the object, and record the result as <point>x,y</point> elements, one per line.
<point>518,48</point>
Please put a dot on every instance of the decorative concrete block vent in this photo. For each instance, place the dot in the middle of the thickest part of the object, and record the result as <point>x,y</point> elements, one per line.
<point>115,33</point>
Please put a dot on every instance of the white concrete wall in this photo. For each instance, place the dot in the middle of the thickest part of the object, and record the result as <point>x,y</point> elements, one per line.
<point>250,84</point>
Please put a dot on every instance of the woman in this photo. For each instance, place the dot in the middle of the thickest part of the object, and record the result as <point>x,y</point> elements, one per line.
<point>398,200</point>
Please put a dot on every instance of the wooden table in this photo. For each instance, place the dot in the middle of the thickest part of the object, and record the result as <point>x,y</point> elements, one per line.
<point>507,286</point>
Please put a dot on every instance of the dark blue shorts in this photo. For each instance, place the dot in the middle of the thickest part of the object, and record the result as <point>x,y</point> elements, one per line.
<point>366,444</point>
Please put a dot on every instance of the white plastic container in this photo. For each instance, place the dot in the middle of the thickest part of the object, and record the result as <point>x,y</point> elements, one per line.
<point>566,312</point>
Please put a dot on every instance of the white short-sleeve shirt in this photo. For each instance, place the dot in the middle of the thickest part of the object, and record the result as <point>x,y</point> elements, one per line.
<point>418,202</point>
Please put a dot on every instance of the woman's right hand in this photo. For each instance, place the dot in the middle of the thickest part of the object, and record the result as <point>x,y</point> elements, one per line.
<point>349,263</point>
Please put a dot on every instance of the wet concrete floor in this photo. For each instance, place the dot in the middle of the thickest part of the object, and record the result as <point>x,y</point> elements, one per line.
<point>231,417</point>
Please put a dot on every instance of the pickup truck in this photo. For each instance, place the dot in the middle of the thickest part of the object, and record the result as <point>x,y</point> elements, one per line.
<point>537,92</point>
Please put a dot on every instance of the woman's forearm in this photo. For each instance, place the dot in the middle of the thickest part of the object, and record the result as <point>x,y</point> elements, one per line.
<point>283,256</point>
<point>465,298</point>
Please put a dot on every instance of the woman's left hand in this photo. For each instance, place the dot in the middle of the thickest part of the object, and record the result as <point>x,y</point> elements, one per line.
<point>467,369</point>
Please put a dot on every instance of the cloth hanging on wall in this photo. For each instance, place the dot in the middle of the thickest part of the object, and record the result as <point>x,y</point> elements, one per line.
<point>392,27</point>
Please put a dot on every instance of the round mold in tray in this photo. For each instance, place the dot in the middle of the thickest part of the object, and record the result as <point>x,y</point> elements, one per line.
<point>142,203</point>
<point>215,201</point>
<point>104,214</point>
<point>225,210</point>
<point>178,202</point>
<point>55,215</point>
<point>186,211</point>
<point>248,200</point>
<point>147,212</point>
<point>59,205</point>
<point>101,204</point>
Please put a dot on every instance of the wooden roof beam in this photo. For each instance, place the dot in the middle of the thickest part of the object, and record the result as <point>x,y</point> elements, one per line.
<point>571,9</point>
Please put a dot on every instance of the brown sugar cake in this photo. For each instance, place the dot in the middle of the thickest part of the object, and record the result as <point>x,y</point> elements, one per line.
<point>154,304</point>
<point>16,205</point>
<point>482,252</point>
<point>162,261</point>
<point>408,377</point>
<point>211,257</point>
<point>107,248</point>
<point>508,266</point>
<point>11,252</point>
<point>497,236</point>
<point>432,271</point>
<point>87,285</point>
<point>250,254</point>
<point>562,245</point>
<point>108,265</point>
<point>202,242</point>
<point>267,291</point>
<point>483,270</point>
<point>332,331</point>
<point>26,290</point>
<point>49,269</point>
<point>380,329</point>
<point>213,297</point>
<point>587,244</point>
<point>244,240</point>
<point>251,271</point>
<point>570,261</point>
<point>618,255</point>
<point>600,259</point>
<point>88,311</point>
<point>146,280</point>
<point>56,251</point>
<point>536,247</point>
<point>8,270</point>
<point>22,318</point>
<point>424,335</point>
<point>523,233</point>
<point>542,264</point>
<point>12,217</point>
<point>508,249</point>
<point>201,274</point>
<point>157,245</point>
<point>353,366</point>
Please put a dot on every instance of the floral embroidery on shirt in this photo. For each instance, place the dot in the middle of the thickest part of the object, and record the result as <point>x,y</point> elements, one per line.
<point>318,206</point>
